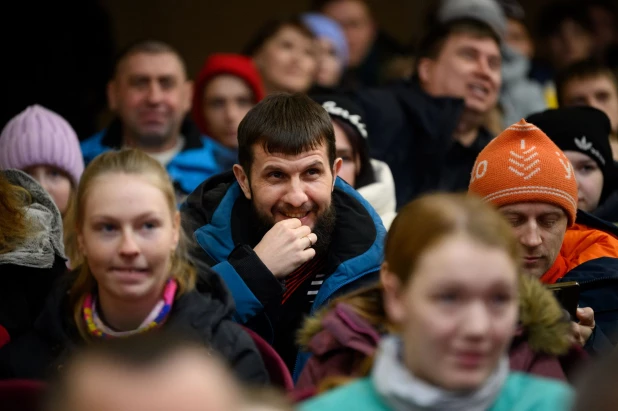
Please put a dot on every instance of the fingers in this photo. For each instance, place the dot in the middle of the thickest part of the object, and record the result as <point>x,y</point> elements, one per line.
<point>308,254</point>
<point>585,316</point>
<point>291,223</point>
<point>576,335</point>
<point>313,237</point>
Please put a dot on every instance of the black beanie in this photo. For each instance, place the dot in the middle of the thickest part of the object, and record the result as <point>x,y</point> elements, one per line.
<point>346,110</point>
<point>582,128</point>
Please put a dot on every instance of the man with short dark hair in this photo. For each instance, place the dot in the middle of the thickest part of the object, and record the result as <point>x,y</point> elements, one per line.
<point>588,83</point>
<point>282,230</point>
<point>429,129</point>
<point>151,94</point>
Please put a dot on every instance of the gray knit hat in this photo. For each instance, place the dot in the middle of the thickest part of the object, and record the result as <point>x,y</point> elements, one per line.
<point>485,11</point>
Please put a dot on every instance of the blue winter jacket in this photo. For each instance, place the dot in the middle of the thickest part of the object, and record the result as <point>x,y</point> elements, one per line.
<point>218,216</point>
<point>200,158</point>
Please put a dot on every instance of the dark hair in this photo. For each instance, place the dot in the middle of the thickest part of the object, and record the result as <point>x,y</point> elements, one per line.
<point>147,47</point>
<point>433,41</point>
<point>285,123</point>
<point>271,29</point>
<point>555,14</point>
<point>582,70</point>
<point>360,148</point>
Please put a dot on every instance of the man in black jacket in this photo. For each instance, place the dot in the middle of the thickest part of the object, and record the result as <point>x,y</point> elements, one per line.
<point>430,128</point>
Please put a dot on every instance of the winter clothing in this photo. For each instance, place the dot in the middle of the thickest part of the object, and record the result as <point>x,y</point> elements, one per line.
<point>523,165</point>
<point>520,392</point>
<point>402,390</point>
<point>519,96</point>
<point>29,270</point>
<point>325,27</point>
<point>38,136</point>
<point>345,110</point>
<point>204,314</point>
<point>412,132</point>
<point>222,63</point>
<point>340,340</point>
<point>589,255</point>
<point>221,220</point>
<point>200,158</point>
<point>583,129</point>
<point>485,11</point>
<point>157,317</point>
<point>381,193</point>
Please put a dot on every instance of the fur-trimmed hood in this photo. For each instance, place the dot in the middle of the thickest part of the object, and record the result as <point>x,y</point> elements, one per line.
<point>45,241</point>
<point>543,323</point>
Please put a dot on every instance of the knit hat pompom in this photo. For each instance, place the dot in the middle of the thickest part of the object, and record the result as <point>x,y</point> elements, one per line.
<point>39,136</point>
<point>523,165</point>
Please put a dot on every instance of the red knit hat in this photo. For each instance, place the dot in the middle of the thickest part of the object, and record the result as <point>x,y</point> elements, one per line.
<point>220,63</point>
<point>523,165</point>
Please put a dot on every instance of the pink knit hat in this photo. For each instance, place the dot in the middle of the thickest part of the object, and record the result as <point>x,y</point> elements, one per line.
<point>38,136</point>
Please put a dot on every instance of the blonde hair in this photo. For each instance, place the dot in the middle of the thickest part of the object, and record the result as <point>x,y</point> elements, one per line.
<point>14,226</point>
<point>133,162</point>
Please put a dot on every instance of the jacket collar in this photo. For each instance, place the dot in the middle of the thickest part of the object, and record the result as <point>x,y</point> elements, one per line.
<point>112,136</point>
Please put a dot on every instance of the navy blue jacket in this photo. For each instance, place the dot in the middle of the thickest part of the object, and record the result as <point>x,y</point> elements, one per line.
<point>412,132</point>
<point>218,216</point>
<point>598,281</point>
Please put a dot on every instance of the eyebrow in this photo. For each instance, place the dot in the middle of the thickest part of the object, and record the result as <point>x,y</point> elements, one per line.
<point>143,216</point>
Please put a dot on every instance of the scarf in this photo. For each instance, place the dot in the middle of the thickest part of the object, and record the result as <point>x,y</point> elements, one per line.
<point>402,391</point>
<point>157,317</point>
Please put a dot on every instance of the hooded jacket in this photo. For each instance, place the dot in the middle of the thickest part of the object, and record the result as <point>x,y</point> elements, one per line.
<point>29,270</point>
<point>341,341</point>
<point>589,255</point>
<point>413,133</point>
<point>200,158</point>
<point>203,314</point>
<point>218,216</point>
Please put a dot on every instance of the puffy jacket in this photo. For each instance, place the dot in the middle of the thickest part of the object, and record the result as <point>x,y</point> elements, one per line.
<point>589,255</point>
<point>200,158</point>
<point>341,340</point>
<point>203,314</point>
<point>218,216</point>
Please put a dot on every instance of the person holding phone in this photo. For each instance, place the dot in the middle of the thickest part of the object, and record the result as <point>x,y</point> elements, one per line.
<point>533,184</point>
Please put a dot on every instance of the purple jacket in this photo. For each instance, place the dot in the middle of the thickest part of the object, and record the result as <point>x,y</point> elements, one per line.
<point>341,340</point>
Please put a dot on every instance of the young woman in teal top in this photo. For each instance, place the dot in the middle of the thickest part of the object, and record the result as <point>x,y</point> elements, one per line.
<point>451,282</point>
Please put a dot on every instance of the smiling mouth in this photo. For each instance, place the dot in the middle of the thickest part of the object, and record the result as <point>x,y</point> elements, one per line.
<point>478,90</point>
<point>296,215</point>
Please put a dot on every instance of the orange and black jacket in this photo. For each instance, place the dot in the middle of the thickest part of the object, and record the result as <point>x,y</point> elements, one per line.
<point>589,255</point>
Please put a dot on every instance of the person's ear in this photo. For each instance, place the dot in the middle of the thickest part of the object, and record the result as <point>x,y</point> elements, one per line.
<point>393,300</point>
<point>336,168</point>
<point>425,70</point>
<point>243,180</point>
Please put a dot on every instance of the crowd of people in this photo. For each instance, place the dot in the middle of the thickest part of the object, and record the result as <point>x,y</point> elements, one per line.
<point>328,220</point>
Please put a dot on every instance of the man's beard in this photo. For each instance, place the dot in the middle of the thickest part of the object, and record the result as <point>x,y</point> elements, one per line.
<point>324,227</point>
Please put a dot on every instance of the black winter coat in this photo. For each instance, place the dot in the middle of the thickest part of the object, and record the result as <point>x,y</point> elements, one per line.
<point>413,133</point>
<point>204,313</point>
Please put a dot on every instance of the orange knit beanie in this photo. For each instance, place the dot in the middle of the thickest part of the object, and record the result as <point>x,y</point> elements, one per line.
<point>523,165</point>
